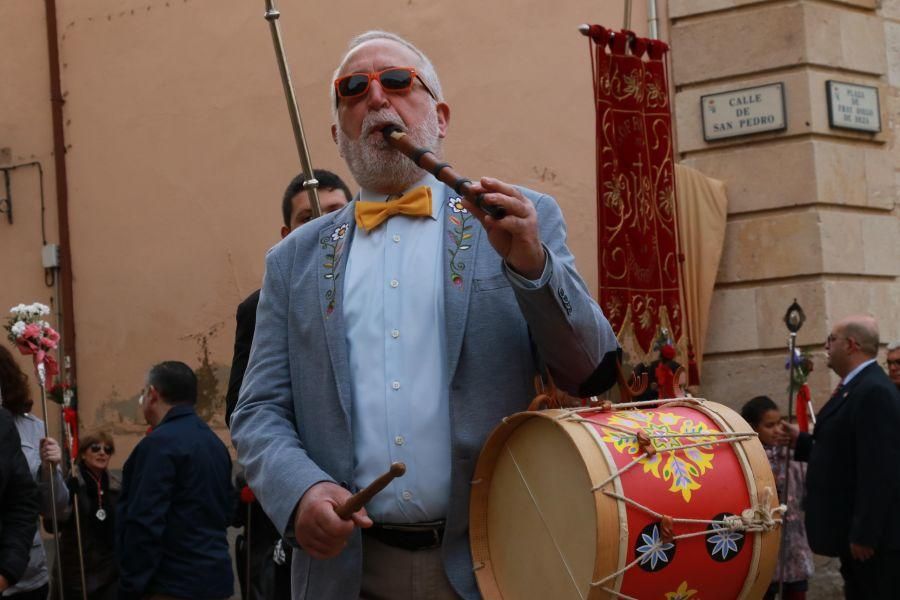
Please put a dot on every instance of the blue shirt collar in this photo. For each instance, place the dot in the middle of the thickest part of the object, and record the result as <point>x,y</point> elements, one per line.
<point>856,371</point>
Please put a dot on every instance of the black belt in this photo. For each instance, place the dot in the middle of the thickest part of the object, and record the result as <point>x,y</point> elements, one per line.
<point>414,536</point>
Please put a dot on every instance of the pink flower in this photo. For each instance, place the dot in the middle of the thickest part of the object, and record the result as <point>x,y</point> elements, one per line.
<point>49,342</point>
<point>51,365</point>
<point>26,347</point>
<point>32,330</point>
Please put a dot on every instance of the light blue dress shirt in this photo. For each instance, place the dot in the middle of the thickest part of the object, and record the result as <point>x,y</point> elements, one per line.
<point>397,341</point>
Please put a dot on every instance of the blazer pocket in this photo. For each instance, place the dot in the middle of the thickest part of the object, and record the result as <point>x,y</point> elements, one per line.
<point>495,282</point>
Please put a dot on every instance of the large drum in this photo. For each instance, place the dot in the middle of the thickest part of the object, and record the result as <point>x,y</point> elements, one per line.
<point>673,502</point>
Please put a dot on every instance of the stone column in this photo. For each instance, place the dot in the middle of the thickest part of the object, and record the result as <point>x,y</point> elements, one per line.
<point>812,209</point>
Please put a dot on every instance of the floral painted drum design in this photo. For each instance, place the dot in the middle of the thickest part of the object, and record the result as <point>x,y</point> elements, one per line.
<point>672,502</point>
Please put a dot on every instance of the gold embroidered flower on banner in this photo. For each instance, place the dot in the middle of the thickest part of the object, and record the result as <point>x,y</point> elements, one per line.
<point>673,463</point>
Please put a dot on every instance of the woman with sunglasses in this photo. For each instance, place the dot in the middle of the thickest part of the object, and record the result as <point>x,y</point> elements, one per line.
<point>96,491</point>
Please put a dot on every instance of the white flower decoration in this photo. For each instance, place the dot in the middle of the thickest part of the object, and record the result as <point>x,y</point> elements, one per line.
<point>654,549</point>
<point>457,206</point>
<point>339,232</point>
<point>724,541</point>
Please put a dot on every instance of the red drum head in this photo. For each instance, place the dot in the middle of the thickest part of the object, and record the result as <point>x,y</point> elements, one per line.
<point>567,504</point>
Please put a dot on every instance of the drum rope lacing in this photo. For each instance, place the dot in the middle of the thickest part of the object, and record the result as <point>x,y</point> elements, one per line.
<point>756,519</point>
<point>728,438</point>
<point>639,404</point>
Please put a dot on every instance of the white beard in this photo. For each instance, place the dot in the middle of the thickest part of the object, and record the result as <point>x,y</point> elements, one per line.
<point>376,165</point>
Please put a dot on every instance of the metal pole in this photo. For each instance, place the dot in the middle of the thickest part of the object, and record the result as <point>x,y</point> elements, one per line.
<point>42,379</point>
<point>786,469</point>
<point>80,547</point>
<point>73,473</point>
<point>310,184</point>
<point>627,20</point>
<point>652,20</point>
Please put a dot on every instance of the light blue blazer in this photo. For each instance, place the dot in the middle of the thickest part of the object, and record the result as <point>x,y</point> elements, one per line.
<point>292,426</point>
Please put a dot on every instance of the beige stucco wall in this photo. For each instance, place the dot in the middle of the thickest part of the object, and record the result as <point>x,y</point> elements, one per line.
<point>25,136</point>
<point>179,148</point>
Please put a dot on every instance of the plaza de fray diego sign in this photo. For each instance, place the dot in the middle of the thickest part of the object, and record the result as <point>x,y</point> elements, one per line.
<point>743,112</point>
<point>853,106</point>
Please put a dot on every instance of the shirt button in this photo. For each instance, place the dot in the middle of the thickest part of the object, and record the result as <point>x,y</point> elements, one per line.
<point>395,385</point>
<point>394,283</point>
<point>395,333</point>
<point>407,495</point>
<point>399,440</point>
<point>396,238</point>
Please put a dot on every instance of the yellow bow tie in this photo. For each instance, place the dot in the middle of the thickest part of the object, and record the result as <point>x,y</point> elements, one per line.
<point>414,203</point>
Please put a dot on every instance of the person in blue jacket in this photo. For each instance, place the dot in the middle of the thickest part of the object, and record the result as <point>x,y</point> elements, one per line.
<point>177,498</point>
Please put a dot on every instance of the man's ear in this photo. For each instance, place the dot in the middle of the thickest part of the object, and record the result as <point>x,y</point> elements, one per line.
<point>284,231</point>
<point>443,115</point>
<point>334,133</point>
<point>152,395</point>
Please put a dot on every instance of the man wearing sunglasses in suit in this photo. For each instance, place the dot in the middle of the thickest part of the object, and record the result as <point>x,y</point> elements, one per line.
<point>403,328</point>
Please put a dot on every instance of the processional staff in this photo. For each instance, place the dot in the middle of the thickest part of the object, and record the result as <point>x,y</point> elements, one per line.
<point>310,184</point>
<point>67,401</point>
<point>793,319</point>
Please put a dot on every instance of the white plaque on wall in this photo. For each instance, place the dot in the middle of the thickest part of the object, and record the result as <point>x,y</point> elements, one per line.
<point>742,112</point>
<point>852,106</point>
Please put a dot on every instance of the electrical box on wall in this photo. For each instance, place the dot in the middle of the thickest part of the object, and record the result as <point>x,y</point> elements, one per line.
<point>50,256</point>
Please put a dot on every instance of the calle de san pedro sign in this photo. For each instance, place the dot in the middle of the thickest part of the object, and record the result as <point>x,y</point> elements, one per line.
<point>744,111</point>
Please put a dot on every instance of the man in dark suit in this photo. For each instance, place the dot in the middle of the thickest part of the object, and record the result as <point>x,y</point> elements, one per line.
<point>18,504</point>
<point>270,578</point>
<point>853,479</point>
<point>177,499</point>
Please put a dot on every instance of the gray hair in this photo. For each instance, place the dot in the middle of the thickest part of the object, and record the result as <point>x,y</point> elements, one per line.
<point>425,68</point>
<point>893,346</point>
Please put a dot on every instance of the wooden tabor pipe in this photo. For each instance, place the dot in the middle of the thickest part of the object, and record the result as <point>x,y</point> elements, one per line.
<point>427,161</point>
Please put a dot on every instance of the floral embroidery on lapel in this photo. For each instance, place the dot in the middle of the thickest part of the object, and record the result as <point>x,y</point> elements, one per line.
<point>333,245</point>
<point>459,236</point>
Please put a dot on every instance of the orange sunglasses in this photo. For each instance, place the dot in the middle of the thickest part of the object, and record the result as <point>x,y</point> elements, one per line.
<point>393,79</point>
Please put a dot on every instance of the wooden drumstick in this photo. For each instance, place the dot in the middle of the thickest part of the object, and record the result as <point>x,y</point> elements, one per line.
<point>359,499</point>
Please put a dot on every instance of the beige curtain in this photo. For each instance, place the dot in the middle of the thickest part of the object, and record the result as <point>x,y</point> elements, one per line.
<point>702,210</point>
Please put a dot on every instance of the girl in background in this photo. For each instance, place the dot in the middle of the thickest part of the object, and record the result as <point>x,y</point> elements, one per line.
<point>763,415</point>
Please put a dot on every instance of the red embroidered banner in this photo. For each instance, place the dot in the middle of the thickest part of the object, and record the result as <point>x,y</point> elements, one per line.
<point>637,244</point>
